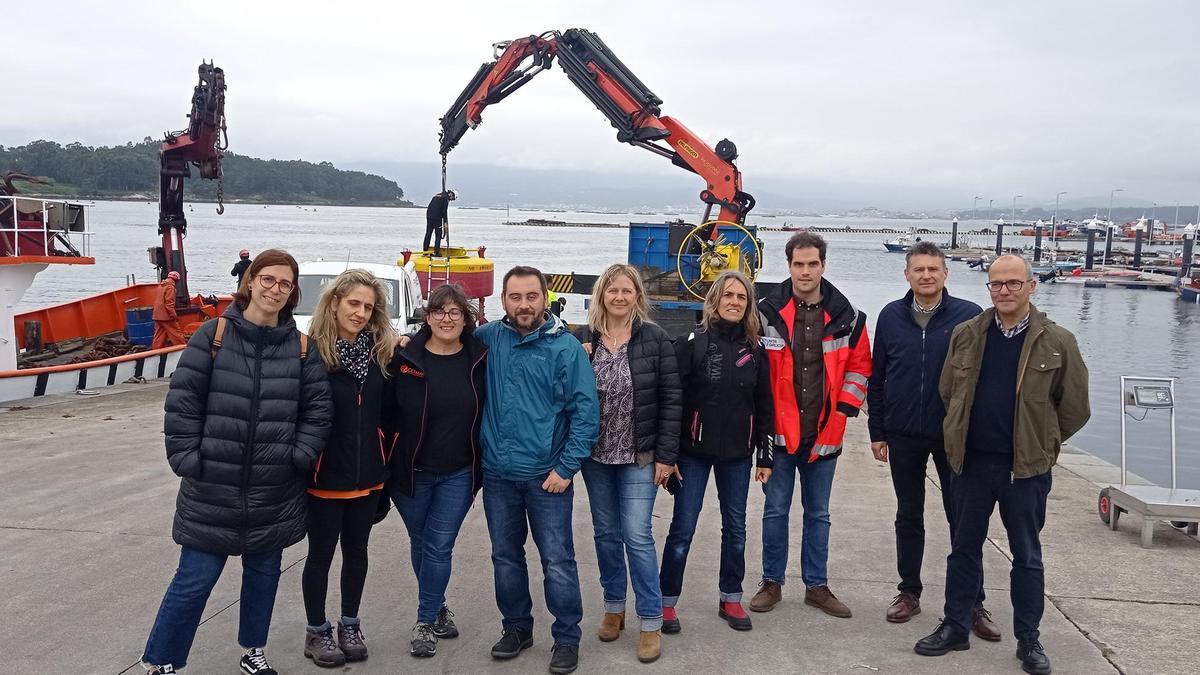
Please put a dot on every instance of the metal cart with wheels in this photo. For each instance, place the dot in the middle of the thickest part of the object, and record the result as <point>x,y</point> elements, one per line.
<point>1152,502</point>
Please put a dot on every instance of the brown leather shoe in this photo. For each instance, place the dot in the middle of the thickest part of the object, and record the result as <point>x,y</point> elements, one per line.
<point>823,599</point>
<point>611,626</point>
<point>650,646</point>
<point>769,594</point>
<point>982,625</point>
<point>904,607</point>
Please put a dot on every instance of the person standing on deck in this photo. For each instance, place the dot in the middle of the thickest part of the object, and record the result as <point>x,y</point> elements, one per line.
<point>240,267</point>
<point>166,319</point>
<point>906,412</point>
<point>820,359</point>
<point>437,220</point>
<point>1015,387</point>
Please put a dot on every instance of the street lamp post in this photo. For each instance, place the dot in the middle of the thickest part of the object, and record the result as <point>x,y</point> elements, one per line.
<point>1110,204</point>
<point>1054,221</point>
<point>1108,232</point>
<point>976,203</point>
<point>989,213</point>
<point>1014,208</point>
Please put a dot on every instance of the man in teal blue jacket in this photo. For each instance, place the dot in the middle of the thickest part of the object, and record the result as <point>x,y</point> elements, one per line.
<point>540,420</point>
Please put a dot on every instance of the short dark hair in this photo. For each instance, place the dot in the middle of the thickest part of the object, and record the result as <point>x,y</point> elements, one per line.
<point>806,239</point>
<point>269,258</point>
<point>523,271</point>
<point>445,293</point>
<point>924,248</point>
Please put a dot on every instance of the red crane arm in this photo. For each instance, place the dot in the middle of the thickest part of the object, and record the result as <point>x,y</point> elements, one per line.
<point>627,103</point>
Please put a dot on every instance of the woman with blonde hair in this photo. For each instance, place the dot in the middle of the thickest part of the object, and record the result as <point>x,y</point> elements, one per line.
<point>638,383</point>
<point>727,421</point>
<point>351,330</point>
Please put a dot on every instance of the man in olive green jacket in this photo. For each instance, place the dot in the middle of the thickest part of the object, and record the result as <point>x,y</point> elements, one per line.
<point>1015,387</point>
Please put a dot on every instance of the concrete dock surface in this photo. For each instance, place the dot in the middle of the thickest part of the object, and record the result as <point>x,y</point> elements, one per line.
<point>86,502</point>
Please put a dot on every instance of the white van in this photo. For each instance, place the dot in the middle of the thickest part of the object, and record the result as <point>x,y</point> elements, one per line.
<point>403,290</point>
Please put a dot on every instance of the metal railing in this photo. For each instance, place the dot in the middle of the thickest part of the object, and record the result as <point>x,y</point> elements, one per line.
<point>65,227</point>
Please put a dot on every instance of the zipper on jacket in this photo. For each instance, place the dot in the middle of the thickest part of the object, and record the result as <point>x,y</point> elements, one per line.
<point>922,419</point>
<point>358,437</point>
<point>250,444</point>
<point>412,463</point>
<point>474,422</point>
<point>1017,398</point>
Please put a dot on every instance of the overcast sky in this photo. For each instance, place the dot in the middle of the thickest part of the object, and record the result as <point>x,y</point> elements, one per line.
<point>959,98</point>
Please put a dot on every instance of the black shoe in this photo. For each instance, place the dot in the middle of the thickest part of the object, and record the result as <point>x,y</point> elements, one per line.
<point>423,643</point>
<point>512,642</point>
<point>944,639</point>
<point>1033,657</point>
<point>444,627</point>
<point>254,662</point>
<point>564,659</point>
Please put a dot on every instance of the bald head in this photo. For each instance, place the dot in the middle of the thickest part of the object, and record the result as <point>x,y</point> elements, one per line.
<point>1011,264</point>
<point>1011,282</point>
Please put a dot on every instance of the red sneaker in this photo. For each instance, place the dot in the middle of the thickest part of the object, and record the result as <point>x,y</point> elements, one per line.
<point>670,621</point>
<point>734,615</point>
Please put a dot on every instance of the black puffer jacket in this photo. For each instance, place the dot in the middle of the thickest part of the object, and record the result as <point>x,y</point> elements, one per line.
<point>728,410</point>
<point>657,398</point>
<point>356,456</point>
<point>243,431</point>
<point>408,414</point>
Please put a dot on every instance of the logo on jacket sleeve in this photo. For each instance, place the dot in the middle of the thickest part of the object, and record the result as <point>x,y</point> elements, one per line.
<point>773,343</point>
<point>406,369</point>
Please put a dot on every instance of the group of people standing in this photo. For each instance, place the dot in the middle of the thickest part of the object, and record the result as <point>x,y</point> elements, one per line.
<point>278,435</point>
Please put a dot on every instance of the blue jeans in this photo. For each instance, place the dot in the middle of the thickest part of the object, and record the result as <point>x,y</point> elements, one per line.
<point>433,515</point>
<point>183,605</point>
<point>514,508</point>
<point>621,497</point>
<point>816,484</point>
<point>733,485</point>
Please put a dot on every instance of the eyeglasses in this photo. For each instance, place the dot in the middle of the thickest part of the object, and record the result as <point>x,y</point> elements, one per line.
<point>267,282</point>
<point>454,313</point>
<point>1012,285</point>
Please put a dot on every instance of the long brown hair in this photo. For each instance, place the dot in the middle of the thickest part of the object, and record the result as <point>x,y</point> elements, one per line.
<point>323,327</point>
<point>750,322</point>
<point>269,258</point>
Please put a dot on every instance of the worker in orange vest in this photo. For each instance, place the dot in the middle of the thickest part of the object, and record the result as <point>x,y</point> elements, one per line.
<point>166,321</point>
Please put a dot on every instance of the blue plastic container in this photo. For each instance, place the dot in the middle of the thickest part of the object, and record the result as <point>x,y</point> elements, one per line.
<point>141,333</point>
<point>139,315</point>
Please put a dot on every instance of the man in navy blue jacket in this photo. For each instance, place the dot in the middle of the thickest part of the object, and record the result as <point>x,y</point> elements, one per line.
<point>906,411</point>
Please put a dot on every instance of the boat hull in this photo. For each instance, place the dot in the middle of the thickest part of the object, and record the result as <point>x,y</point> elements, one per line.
<point>34,382</point>
<point>895,248</point>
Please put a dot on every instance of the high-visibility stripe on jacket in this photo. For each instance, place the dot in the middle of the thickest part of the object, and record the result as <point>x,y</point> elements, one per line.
<point>846,352</point>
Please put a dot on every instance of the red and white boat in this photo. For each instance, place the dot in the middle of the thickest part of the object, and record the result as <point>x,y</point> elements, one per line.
<point>102,339</point>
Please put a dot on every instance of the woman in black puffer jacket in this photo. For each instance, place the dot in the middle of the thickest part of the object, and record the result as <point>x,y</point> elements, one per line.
<point>247,413</point>
<point>638,383</point>
<point>728,422</point>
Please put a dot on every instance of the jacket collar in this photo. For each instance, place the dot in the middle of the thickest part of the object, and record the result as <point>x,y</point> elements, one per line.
<point>840,313</point>
<point>1037,321</point>
<point>415,352</point>
<point>268,334</point>
<point>551,327</point>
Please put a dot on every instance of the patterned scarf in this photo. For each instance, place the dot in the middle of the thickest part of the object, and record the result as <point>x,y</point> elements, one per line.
<point>355,356</point>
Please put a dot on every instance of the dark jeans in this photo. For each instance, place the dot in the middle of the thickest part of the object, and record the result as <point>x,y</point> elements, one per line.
<point>513,509</point>
<point>908,460</point>
<point>433,230</point>
<point>621,497</point>
<point>977,490</point>
<point>733,485</point>
<point>433,515</point>
<point>816,487</point>
<point>331,520</point>
<point>183,605</point>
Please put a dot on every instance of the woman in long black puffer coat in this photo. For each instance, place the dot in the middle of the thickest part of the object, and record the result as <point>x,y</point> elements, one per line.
<point>247,414</point>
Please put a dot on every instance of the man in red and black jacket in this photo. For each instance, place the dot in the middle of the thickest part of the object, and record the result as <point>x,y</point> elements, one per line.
<point>820,358</point>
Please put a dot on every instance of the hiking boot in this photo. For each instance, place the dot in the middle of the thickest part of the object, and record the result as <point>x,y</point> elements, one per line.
<point>611,626</point>
<point>823,599</point>
<point>670,621</point>
<point>1033,657</point>
<point>769,594</point>
<point>942,640</point>
<point>511,643</point>
<point>444,627</point>
<point>424,641</point>
<point>982,625</point>
<point>322,647</point>
<point>564,659</point>
<point>254,662</point>
<point>734,615</point>
<point>650,646</point>
<point>904,607</point>
<point>351,641</point>
<point>165,669</point>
